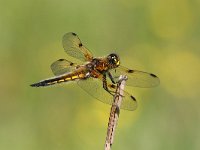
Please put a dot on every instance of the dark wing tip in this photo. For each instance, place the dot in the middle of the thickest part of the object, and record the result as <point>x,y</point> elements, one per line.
<point>130,71</point>
<point>153,75</point>
<point>61,59</point>
<point>156,79</point>
<point>74,34</point>
<point>133,98</point>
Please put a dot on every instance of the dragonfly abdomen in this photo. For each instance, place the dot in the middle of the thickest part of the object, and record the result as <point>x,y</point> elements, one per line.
<point>60,79</point>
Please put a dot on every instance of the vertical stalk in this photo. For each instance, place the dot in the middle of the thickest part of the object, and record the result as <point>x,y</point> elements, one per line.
<point>114,112</point>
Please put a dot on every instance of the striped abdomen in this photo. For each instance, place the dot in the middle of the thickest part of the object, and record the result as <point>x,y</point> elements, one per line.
<point>60,79</point>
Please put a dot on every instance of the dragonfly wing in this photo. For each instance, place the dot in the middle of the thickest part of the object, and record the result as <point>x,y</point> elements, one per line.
<point>136,78</point>
<point>74,47</point>
<point>128,102</point>
<point>62,66</point>
<point>94,87</point>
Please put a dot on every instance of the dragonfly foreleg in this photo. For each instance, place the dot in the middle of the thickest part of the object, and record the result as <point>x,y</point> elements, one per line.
<point>105,85</point>
<point>111,77</point>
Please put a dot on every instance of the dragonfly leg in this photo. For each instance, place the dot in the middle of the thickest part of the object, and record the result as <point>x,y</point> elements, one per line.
<point>105,86</point>
<point>111,77</point>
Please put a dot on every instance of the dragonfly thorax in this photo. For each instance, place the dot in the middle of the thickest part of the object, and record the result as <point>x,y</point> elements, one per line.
<point>103,64</point>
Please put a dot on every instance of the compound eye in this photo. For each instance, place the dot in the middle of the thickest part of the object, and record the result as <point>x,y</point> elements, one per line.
<point>115,60</point>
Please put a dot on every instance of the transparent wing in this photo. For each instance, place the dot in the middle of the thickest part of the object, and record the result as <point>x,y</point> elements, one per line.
<point>94,87</point>
<point>62,66</point>
<point>74,47</point>
<point>136,78</point>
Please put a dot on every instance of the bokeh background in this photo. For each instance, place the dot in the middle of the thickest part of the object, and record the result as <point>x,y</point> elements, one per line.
<point>162,37</point>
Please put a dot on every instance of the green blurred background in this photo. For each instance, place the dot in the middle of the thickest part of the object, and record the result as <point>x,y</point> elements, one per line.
<point>162,37</point>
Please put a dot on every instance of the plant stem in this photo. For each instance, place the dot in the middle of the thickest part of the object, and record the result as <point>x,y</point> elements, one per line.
<point>114,112</point>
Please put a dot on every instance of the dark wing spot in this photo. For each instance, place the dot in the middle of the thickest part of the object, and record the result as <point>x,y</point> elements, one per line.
<point>130,71</point>
<point>80,44</point>
<point>133,98</point>
<point>71,64</point>
<point>74,34</point>
<point>61,59</point>
<point>153,75</point>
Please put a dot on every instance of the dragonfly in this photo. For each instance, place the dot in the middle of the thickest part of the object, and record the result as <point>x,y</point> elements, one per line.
<point>98,76</point>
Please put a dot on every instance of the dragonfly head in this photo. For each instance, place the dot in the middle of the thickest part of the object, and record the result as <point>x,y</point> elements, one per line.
<point>113,60</point>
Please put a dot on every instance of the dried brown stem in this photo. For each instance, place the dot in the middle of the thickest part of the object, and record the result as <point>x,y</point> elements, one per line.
<point>114,112</point>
